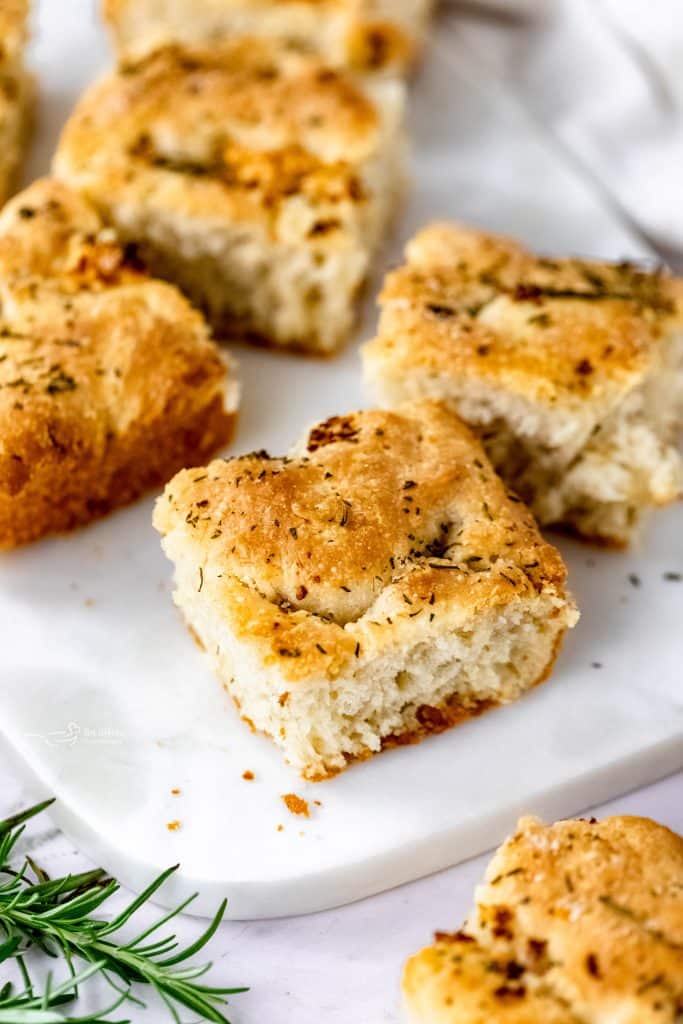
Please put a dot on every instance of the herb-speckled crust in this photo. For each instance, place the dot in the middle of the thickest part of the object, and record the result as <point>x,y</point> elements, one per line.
<point>109,380</point>
<point>225,134</point>
<point>457,981</point>
<point>366,35</point>
<point>580,921</point>
<point>560,332</point>
<point>376,520</point>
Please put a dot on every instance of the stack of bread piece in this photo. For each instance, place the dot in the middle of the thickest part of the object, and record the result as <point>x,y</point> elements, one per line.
<point>235,176</point>
<point>239,151</point>
<point>16,91</point>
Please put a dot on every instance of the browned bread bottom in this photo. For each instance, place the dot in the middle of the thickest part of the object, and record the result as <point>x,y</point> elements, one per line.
<point>432,720</point>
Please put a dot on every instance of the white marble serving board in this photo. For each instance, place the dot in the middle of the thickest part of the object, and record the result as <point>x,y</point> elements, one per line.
<point>110,706</point>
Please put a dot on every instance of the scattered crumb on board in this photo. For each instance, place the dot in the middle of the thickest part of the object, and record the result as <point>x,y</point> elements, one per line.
<point>296,804</point>
<point>248,776</point>
<point>173,826</point>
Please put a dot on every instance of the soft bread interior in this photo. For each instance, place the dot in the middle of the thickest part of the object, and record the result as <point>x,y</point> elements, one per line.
<point>451,669</point>
<point>596,475</point>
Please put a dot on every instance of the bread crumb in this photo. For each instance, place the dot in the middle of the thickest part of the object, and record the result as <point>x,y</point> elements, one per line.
<point>248,776</point>
<point>173,826</point>
<point>296,805</point>
<point>280,828</point>
<point>317,803</point>
<point>175,792</point>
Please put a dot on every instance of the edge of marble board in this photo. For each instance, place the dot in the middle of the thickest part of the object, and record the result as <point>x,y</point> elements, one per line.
<point>310,893</point>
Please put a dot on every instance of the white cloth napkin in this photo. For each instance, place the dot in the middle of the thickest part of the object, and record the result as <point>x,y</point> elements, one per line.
<point>606,76</point>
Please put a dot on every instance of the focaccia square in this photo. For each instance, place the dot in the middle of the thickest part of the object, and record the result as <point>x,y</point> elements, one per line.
<point>109,380</point>
<point>258,180</point>
<point>376,585</point>
<point>580,922</point>
<point>16,92</point>
<point>570,371</point>
<point>365,35</point>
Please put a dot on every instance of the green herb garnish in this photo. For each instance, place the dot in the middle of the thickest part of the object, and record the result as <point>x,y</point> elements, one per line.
<point>56,917</point>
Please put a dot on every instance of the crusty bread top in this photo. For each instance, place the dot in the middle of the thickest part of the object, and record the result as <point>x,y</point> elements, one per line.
<point>457,981</point>
<point>112,8</point>
<point>377,521</point>
<point>588,913</point>
<point>13,30</point>
<point>229,134</point>
<point>88,343</point>
<point>606,900</point>
<point>363,34</point>
<point>474,306</point>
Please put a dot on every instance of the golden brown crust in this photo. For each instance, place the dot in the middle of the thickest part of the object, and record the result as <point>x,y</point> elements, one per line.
<point>377,519</point>
<point>586,914</point>
<point>109,381</point>
<point>17,101</point>
<point>17,93</point>
<point>13,31</point>
<point>64,491</point>
<point>607,898</point>
<point>362,34</point>
<point>225,134</point>
<point>479,307</point>
<point>457,981</point>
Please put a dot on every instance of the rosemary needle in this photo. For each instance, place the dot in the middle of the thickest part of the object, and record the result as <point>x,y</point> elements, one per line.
<point>57,917</point>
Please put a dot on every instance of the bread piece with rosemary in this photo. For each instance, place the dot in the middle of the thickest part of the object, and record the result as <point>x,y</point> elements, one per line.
<point>257,179</point>
<point>376,585</point>
<point>580,922</point>
<point>570,371</point>
<point>365,35</point>
<point>17,92</point>
<point>109,380</point>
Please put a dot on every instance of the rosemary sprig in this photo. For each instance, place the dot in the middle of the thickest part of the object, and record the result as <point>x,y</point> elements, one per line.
<point>26,1008</point>
<point>58,918</point>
